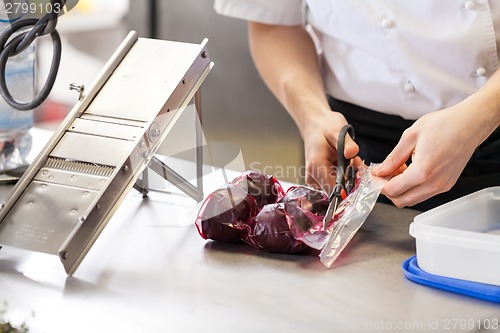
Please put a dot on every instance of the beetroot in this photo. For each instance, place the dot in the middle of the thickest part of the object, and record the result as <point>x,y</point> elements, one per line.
<point>307,198</point>
<point>225,214</point>
<point>270,231</point>
<point>255,209</point>
<point>265,189</point>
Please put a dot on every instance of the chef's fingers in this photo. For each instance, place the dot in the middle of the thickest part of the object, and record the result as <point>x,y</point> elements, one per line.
<point>395,161</point>
<point>321,176</point>
<point>415,193</point>
<point>312,181</point>
<point>400,170</point>
<point>351,148</point>
<point>410,187</point>
<point>358,162</point>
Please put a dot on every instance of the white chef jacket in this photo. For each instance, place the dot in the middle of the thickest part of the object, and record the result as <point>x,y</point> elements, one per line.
<point>401,57</point>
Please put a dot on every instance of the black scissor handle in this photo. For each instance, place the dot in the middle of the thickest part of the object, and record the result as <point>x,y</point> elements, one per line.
<point>343,167</point>
<point>342,162</point>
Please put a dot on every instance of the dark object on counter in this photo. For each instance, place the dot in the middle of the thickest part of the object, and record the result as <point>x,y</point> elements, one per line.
<point>264,188</point>
<point>270,231</point>
<point>226,213</point>
<point>11,176</point>
<point>18,171</point>
<point>255,209</point>
<point>307,198</point>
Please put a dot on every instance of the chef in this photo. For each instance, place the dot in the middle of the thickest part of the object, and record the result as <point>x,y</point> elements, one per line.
<point>417,79</point>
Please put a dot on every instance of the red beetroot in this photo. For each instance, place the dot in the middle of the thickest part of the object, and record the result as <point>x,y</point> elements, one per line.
<point>225,214</point>
<point>270,231</point>
<point>265,189</point>
<point>307,198</point>
<point>255,209</point>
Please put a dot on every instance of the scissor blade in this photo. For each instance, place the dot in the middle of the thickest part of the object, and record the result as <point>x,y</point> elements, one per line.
<point>332,207</point>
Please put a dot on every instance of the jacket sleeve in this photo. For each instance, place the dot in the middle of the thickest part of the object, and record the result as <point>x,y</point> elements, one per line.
<point>276,12</point>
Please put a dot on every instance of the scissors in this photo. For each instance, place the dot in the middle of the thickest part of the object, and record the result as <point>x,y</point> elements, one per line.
<point>346,175</point>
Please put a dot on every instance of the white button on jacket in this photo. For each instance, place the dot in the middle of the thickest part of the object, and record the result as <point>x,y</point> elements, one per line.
<point>386,23</point>
<point>481,71</point>
<point>469,5</point>
<point>370,47</point>
<point>408,87</point>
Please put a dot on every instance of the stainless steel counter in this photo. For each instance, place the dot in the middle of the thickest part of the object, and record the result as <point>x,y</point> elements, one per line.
<point>150,271</point>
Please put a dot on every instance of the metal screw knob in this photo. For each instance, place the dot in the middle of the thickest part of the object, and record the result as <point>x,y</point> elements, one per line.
<point>80,89</point>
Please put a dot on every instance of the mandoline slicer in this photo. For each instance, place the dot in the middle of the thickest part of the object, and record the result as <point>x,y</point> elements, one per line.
<point>71,190</point>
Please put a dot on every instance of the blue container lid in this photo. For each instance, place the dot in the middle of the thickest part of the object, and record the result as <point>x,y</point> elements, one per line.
<point>483,291</point>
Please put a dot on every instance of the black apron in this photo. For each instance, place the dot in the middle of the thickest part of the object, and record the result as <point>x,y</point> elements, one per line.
<point>378,133</point>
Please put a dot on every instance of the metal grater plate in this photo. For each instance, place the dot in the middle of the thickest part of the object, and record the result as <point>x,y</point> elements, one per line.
<point>45,216</point>
<point>69,193</point>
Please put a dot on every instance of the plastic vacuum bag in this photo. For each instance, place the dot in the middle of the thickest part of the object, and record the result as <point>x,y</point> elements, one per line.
<point>356,208</point>
<point>348,218</point>
<point>253,208</point>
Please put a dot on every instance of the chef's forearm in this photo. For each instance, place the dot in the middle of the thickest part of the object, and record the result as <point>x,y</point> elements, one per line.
<point>486,106</point>
<point>287,61</point>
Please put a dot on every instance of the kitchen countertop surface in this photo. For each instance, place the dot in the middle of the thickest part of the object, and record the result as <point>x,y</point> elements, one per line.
<point>150,271</point>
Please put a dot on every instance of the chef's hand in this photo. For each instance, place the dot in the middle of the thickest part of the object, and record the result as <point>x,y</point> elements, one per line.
<point>320,145</point>
<point>440,145</point>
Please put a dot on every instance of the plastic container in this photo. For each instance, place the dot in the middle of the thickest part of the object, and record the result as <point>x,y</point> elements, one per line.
<point>461,239</point>
<point>15,138</point>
